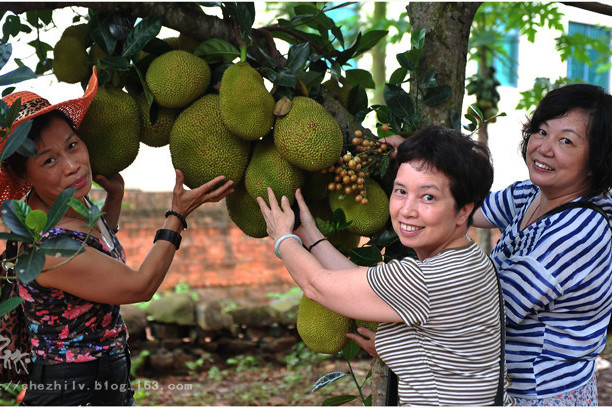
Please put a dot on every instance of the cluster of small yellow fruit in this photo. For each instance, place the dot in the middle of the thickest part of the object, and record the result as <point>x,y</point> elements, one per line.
<point>355,166</point>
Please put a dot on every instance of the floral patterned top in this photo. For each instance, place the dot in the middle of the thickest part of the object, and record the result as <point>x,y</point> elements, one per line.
<point>66,328</point>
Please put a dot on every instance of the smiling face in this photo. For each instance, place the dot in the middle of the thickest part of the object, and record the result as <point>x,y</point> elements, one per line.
<point>558,155</point>
<point>423,210</point>
<point>62,162</point>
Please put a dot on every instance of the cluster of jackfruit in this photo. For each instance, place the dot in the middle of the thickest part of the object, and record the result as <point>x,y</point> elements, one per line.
<point>228,128</point>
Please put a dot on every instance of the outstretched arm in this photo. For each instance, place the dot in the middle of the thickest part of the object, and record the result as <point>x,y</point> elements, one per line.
<point>98,277</point>
<point>344,291</point>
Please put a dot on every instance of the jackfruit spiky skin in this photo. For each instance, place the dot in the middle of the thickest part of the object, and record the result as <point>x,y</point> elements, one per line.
<point>155,134</point>
<point>308,136</point>
<point>111,131</point>
<point>70,60</point>
<point>367,219</point>
<point>368,325</point>
<point>247,108</point>
<point>177,78</point>
<point>203,148</point>
<point>266,169</point>
<point>322,330</point>
<point>78,31</point>
<point>244,211</point>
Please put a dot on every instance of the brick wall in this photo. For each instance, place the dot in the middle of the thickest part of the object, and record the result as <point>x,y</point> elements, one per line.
<point>215,254</point>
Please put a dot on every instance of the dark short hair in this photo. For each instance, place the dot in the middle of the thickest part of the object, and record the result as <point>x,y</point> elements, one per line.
<point>16,162</point>
<point>466,162</point>
<point>597,104</point>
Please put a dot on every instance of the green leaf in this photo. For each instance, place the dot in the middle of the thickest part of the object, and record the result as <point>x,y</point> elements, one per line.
<point>398,76</point>
<point>399,101</point>
<point>384,239</point>
<point>368,401</point>
<point>116,63</point>
<point>61,247</point>
<point>15,139</point>
<point>339,400</point>
<point>350,351</point>
<point>9,304</point>
<point>29,264</point>
<point>298,56</point>
<point>349,53</point>
<point>357,100</point>
<point>13,215</point>
<point>100,33</point>
<point>366,255</point>
<point>145,30</point>
<point>282,77</point>
<point>59,208</point>
<point>417,38</point>
<point>216,50</point>
<point>370,39</point>
<point>327,379</point>
<point>17,75</point>
<point>6,50</point>
<point>360,77</point>
<point>36,220</point>
<point>8,236</point>
<point>437,95</point>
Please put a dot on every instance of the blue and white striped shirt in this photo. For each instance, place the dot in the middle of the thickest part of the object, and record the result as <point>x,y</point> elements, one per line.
<point>556,277</point>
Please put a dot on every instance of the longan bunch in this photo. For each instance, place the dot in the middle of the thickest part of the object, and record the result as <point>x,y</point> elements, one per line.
<point>355,166</point>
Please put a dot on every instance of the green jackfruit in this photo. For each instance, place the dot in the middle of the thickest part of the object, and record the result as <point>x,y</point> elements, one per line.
<point>203,148</point>
<point>268,169</point>
<point>177,78</point>
<point>70,60</point>
<point>368,325</point>
<point>247,108</point>
<point>322,330</point>
<point>78,31</point>
<point>367,219</point>
<point>244,211</point>
<point>308,136</point>
<point>111,131</point>
<point>155,134</point>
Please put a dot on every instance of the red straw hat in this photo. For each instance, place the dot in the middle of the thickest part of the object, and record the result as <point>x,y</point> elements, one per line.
<point>33,105</point>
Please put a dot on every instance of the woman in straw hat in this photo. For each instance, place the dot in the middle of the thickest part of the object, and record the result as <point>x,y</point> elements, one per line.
<point>78,337</point>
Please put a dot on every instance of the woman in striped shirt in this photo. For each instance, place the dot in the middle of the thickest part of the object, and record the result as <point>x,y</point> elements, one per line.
<point>556,270</point>
<point>440,326</point>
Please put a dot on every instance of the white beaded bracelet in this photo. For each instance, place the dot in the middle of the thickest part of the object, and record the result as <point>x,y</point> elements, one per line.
<point>281,239</point>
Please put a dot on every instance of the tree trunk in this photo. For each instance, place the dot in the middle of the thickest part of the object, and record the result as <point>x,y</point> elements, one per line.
<point>484,234</point>
<point>379,55</point>
<point>446,43</point>
<point>379,382</point>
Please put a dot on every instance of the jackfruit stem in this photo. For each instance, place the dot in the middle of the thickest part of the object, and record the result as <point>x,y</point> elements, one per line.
<point>243,53</point>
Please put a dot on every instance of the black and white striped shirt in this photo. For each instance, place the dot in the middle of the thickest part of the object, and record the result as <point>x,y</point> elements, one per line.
<point>447,349</point>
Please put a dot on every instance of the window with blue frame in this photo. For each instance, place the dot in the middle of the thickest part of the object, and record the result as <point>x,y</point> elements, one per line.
<point>581,70</point>
<point>506,66</point>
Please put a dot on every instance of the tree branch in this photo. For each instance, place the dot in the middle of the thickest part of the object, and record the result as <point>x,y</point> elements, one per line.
<point>599,8</point>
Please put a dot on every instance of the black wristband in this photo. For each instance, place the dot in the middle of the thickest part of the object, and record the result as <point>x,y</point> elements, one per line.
<point>179,216</point>
<point>115,230</point>
<point>168,235</point>
<point>319,241</point>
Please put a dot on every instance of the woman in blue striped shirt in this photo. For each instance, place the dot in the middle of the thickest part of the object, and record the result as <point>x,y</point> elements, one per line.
<point>556,268</point>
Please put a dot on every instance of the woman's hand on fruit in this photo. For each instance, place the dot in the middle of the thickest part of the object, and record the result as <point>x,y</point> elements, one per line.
<point>393,141</point>
<point>365,339</point>
<point>280,219</point>
<point>185,201</point>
